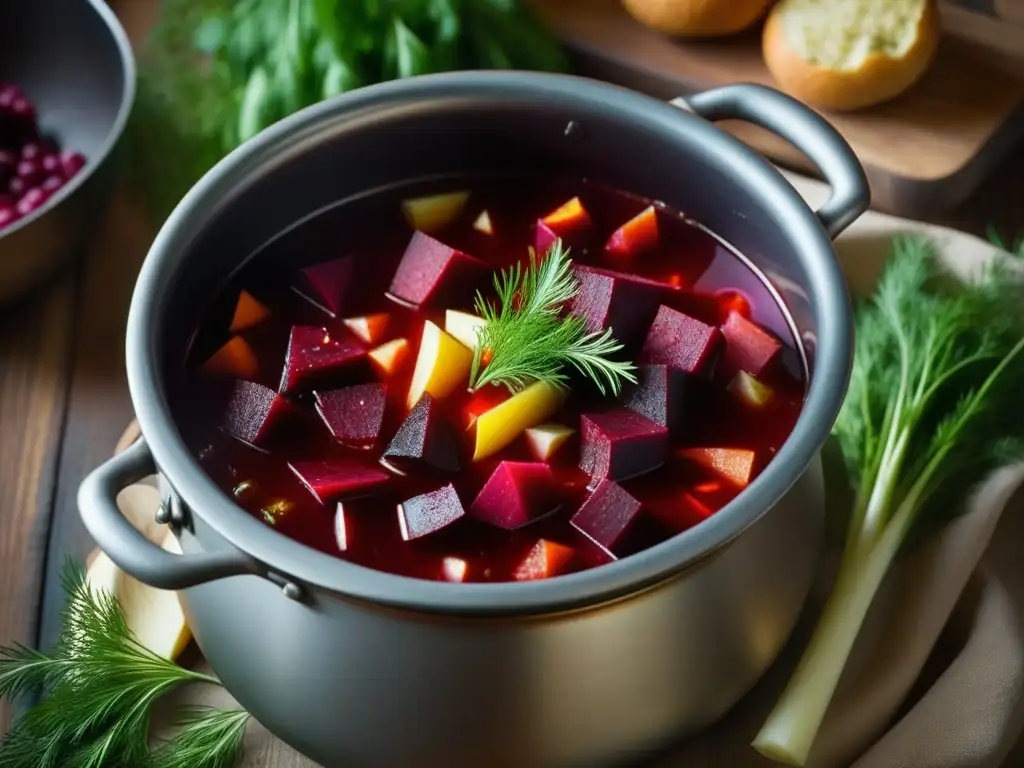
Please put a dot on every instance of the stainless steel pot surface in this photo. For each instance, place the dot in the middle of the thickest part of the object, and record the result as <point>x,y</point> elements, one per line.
<point>359,667</point>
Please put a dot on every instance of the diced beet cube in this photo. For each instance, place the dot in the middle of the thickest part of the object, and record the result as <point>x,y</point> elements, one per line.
<point>353,414</point>
<point>625,303</point>
<point>569,222</point>
<point>432,273</point>
<point>748,347</point>
<point>637,235</point>
<point>316,357</point>
<point>516,493</point>
<point>620,444</point>
<point>253,412</point>
<point>425,438</point>
<point>341,536</point>
<point>429,512</point>
<point>660,395</point>
<point>682,342</point>
<point>329,480</point>
<point>328,283</point>
<point>607,515</point>
<point>544,560</point>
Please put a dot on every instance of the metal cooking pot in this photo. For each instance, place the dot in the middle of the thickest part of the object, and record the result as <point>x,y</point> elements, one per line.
<point>358,667</point>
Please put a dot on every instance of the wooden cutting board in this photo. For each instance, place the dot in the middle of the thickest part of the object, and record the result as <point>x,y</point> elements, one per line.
<point>924,152</point>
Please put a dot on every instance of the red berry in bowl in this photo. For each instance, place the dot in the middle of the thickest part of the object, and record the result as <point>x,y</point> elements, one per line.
<point>22,107</point>
<point>8,94</point>
<point>8,215</point>
<point>50,164</point>
<point>72,163</point>
<point>32,151</point>
<point>30,201</point>
<point>52,184</point>
<point>16,187</point>
<point>30,172</point>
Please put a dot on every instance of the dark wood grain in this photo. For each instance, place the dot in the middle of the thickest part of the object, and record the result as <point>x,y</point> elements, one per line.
<point>35,339</point>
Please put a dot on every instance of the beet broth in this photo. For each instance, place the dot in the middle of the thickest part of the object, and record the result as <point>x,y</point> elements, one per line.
<point>392,485</point>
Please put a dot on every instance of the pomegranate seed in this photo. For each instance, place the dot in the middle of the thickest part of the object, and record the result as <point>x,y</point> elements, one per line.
<point>50,164</point>
<point>8,93</point>
<point>16,187</point>
<point>32,151</point>
<point>7,217</point>
<point>72,163</point>
<point>52,184</point>
<point>22,107</point>
<point>31,201</point>
<point>30,172</point>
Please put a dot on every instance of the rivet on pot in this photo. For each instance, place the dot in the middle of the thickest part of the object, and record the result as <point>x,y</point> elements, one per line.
<point>289,589</point>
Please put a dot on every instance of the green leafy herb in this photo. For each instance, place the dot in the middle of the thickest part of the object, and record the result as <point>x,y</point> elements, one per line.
<point>526,338</point>
<point>1016,247</point>
<point>98,685</point>
<point>209,738</point>
<point>216,72</point>
<point>933,406</point>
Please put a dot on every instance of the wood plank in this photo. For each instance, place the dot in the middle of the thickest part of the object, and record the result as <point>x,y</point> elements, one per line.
<point>35,339</point>
<point>98,407</point>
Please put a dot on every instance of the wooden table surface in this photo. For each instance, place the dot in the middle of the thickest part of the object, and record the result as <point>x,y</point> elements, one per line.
<point>64,400</point>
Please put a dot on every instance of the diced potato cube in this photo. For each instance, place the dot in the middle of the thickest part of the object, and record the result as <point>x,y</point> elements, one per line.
<point>463,326</point>
<point>750,391</point>
<point>483,223</point>
<point>433,212</point>
<point>441,366</point>
<point>545,440</point>
<point>499,426</point>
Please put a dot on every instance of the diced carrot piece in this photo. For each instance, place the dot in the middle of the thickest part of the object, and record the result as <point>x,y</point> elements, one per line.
<point>733,464</point>
<point>544,560</point>
<point>637,235</point>
<point>248,312</point>
<point>389,358</point>
<point>569,216</point>
<point>235,359</point>
<point>369,328</point>
<point>454,569</point>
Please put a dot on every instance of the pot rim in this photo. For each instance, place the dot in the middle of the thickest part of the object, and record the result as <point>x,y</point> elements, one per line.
<point>292,559</point>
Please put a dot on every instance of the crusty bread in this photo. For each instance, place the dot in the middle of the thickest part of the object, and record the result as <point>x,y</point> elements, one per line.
<point>849,54</point>
<point>697,18</point>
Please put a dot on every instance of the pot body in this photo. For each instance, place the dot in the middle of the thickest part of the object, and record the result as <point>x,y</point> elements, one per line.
<point>357,667</point>
<point>352,684</point>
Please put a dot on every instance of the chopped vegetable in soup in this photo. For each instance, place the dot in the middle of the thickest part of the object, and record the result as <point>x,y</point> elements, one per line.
<point>491,379</point>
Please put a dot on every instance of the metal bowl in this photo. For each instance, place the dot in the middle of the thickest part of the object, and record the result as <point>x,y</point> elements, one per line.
<point>74,61</point>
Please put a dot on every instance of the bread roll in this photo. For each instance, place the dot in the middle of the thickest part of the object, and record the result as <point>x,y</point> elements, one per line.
<point>697,18</point>
<point>849,54</point>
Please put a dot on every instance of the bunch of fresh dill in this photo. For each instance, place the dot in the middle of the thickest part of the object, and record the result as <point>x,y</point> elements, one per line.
<point>932,408</point>
<point>97,687</point>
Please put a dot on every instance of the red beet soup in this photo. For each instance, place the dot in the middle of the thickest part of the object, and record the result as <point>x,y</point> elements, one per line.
<point>336,391</point>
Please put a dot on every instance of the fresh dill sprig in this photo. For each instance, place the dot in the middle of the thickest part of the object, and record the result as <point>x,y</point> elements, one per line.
<point>526,338</point>
<point>97,688</point>
<point>933,406</point>
<point>209,738</point>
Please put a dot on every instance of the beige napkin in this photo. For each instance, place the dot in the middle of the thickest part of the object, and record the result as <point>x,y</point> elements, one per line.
<point>936,678</point>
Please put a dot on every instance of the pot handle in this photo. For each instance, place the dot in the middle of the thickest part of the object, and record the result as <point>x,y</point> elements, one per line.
<point>130,550</point>
<point>803,128</point>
